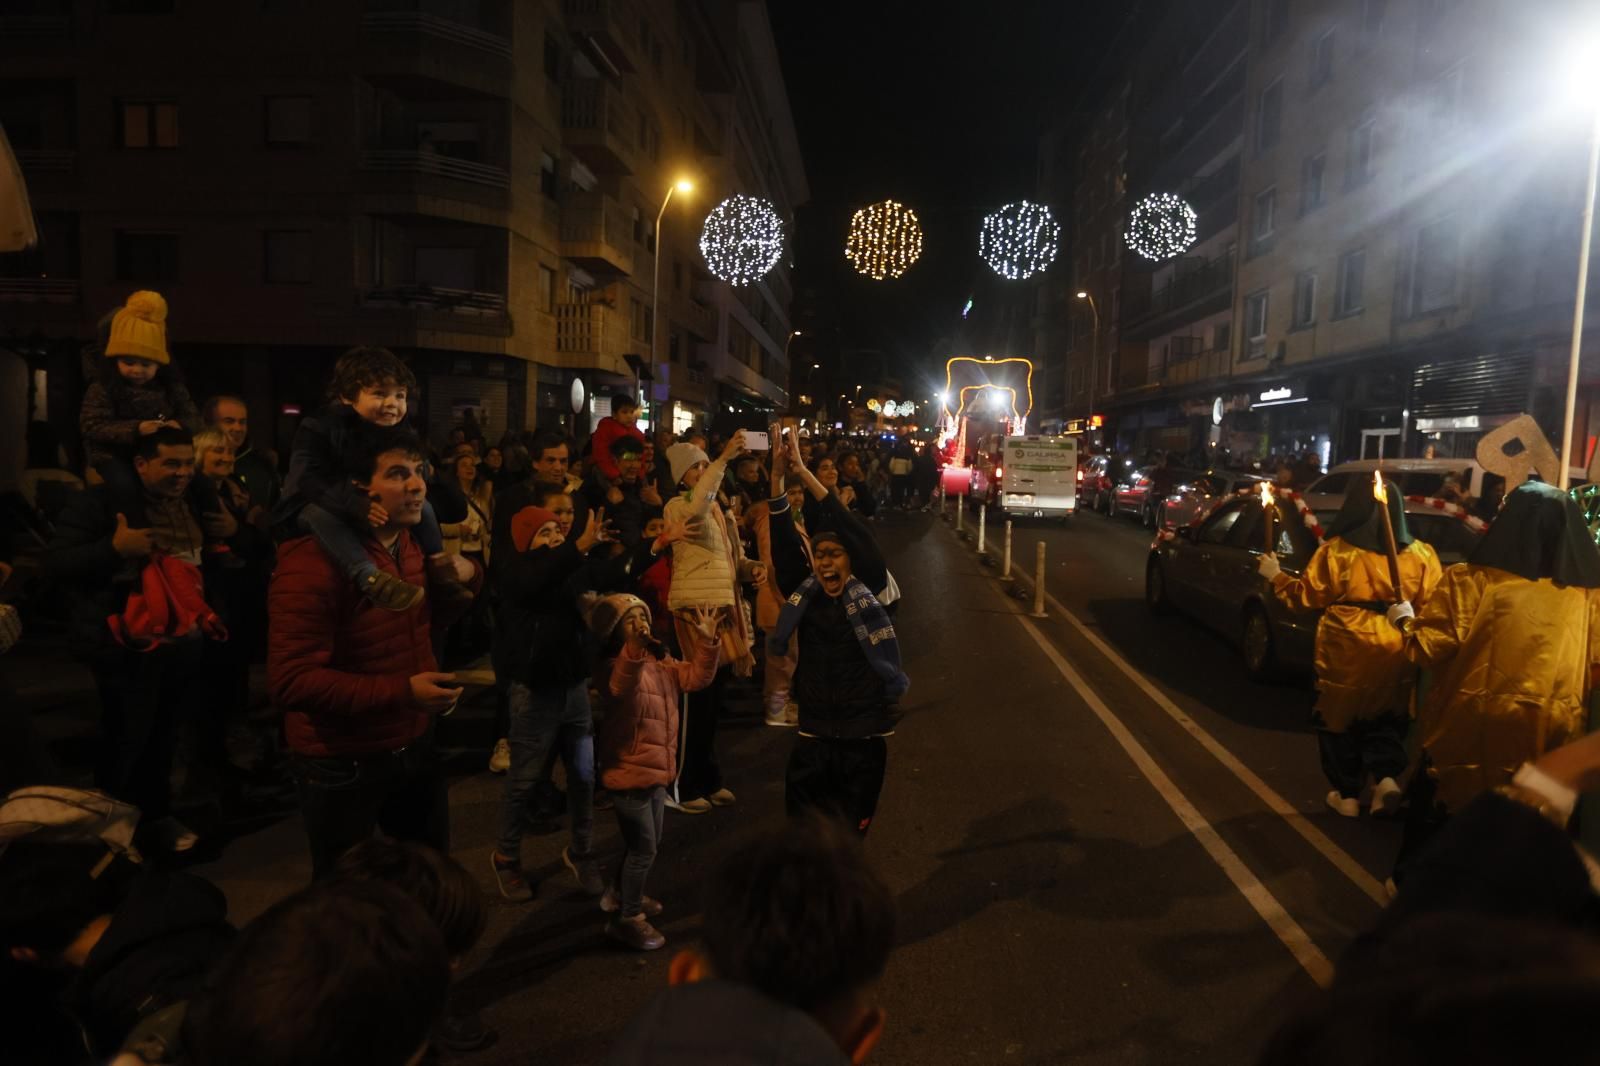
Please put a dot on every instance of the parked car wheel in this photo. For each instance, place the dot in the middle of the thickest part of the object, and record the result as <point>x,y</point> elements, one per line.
<point>1260,652</point>
<point>1147,516</point>
<point>1155,589</point>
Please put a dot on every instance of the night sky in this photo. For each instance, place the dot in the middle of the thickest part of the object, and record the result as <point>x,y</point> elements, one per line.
<point>941,108</point>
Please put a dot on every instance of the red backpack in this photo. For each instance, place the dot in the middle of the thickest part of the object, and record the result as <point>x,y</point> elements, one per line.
<point>168,606</point>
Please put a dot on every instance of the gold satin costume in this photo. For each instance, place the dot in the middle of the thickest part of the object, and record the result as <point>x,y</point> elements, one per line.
<point>1362,670</point>
<point>1511,662</point>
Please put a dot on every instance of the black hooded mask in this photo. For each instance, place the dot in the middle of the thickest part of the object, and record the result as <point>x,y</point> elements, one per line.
<point>1359,523</point>
<point>1540,533</point>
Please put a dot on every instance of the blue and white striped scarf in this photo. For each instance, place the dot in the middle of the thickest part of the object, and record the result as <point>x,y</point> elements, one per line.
<point>870,622</point>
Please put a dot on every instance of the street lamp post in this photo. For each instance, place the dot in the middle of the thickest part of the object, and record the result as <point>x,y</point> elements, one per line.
<point>1586,232</point>
<point>683,185</point>
<point>1094,350</point>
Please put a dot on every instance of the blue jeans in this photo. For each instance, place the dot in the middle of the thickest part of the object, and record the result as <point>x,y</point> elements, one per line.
<point>639,815</point>
<point>342,541</point>
<point>539,717</point>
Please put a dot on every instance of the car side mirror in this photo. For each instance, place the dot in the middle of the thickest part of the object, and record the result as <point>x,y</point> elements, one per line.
<point>1185,532</point>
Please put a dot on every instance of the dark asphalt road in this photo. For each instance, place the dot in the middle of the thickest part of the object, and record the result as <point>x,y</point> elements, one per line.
<point>1054,908</point>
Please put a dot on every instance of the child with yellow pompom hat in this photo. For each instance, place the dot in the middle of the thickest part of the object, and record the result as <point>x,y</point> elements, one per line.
<point>140,393</point>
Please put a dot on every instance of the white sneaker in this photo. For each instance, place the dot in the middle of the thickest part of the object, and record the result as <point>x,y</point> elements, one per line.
<point>500,760</point>
<point>779,719</point>
<point>1386,797</point>
<point>172,835</point>
<point>1350,808</point>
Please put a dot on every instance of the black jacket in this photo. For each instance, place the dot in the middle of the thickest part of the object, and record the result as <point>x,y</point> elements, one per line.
<point>540,639</point>
<point>315,474</point>
<point>161,943</point>
<point>81,559</point>
<point>258,475</point>
<point>839,693</point>
<point>724,1023</point>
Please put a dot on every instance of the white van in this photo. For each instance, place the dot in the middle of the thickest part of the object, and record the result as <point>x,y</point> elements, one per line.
<point>1416,477</point>
<point>1040,476</point>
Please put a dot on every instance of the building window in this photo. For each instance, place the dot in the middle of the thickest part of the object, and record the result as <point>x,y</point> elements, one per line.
<point>547,175</point>
<point>286,257</point>
<point>1269,116</point>
<point>1434,259</point>
<point>636,306</point>
<point>552,58</point>
<point>1277,19</point>
<point>1311,184</point>
<point>547,290</point>
<point>1361,163</point>
<point>288,121</point>
<point>1322,60</point>
<point>677,276</point>
<point>1222,336</point>
<point>1263,221</point>
<point>149,124</point>
<point>638,227</point>
<point>1305,300</point>
<point>1349,298</point>
<point>1255,322</point>
<point>147,257</point>
<point>142,7</point>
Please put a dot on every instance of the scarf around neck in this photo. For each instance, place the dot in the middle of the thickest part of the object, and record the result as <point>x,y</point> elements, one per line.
<point>869,621</point>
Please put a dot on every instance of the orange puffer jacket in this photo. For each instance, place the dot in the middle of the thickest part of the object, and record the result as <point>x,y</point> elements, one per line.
<point>637,743</point>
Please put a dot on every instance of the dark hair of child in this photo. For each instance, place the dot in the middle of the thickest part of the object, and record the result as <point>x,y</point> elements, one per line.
<point>367,367</point>
<point>444,888</point>
<point>167,378</point>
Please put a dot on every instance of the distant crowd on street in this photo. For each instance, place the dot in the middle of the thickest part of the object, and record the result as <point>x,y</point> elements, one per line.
<point>618,590</point>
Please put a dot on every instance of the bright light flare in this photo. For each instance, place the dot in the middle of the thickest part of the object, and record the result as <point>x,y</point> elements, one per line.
<point>1379,491</point>
<point>1265,489</point>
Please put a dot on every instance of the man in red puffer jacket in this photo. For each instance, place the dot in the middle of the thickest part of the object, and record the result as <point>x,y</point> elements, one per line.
<point>358,684</point>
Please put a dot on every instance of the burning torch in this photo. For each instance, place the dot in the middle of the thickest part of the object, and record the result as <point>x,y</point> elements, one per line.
<point>1380,495</point>
<point>1269,515</point>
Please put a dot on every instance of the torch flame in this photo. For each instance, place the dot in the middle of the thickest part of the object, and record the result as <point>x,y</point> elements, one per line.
<point>1265,489</point>
<point>1379,491</point>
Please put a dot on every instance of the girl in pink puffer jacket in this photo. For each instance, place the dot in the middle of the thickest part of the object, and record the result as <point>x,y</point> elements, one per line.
<point>636,747</point>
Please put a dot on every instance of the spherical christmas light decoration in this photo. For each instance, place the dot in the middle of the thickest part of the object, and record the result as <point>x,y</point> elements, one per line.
<point>1019,240</point>
<point>1161,226</point>
<point>885,240</point>
<point>742,239</point>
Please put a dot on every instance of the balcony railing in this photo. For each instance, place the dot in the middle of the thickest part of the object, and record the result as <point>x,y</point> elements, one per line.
<point>1207,365</point>
<point>428,298</point>
<point>413,161</point>
<point>610,26</point>
<point>47,160</point>
<point>34,26</point>
<point>437,26</point>
<point>599,125</point>
<point>591,334</point>
<point>596,233</point>
<point>1212,279</point>
<point>701,320</point>
<point>39,290</point>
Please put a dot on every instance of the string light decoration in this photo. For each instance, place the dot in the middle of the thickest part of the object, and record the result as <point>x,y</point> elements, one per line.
<point>885,240</point>
<point>1161,226</point>
<point>981,371</point>
<point>742,239</point>
<point>1019,240</point>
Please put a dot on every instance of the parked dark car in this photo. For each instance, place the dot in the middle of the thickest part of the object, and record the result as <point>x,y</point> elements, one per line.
<point>1135,495</point>
<point>1208,570</point>
<point>1195,496</point>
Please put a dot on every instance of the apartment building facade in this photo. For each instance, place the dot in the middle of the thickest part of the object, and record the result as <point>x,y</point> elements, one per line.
<point>473,183</point>
<point>1388,240</point>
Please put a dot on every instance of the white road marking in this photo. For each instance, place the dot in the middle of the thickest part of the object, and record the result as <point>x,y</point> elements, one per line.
<point>1287,930</point>
<point>1341,859</point>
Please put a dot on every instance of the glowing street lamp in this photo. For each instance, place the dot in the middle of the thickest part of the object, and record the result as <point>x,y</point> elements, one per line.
<point>685,186</point>
<point>1584,85</point>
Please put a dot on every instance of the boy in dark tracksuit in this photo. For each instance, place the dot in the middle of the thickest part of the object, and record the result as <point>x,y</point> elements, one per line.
<point>847,680</point>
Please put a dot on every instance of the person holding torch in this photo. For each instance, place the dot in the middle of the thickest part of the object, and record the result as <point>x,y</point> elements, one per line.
<point>1511,638</point>
<point>1368,563</point>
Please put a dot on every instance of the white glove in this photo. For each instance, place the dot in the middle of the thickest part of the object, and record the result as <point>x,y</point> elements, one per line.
<point>1400,613</point>
<point>1268,567</point>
